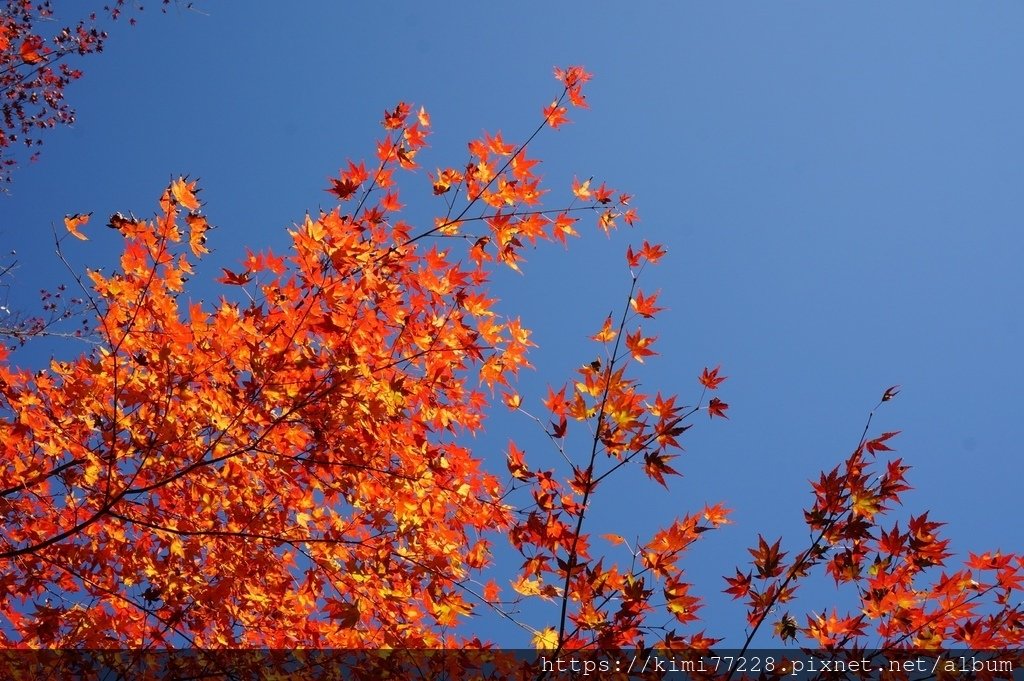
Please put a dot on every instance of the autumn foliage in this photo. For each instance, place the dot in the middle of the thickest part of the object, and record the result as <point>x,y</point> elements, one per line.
<point>289,467</point>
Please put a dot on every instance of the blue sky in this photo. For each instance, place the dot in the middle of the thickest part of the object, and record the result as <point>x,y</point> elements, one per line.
<point>838,187</point>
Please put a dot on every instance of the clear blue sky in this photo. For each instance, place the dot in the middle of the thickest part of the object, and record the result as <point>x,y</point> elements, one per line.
<point>838,186</point>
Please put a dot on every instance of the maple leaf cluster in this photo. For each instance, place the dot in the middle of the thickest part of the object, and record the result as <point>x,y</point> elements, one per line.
<point>888,567</point>
<point>601,423</point>
<point>287,468</point>
<point>277,473</point>
<point>281,470</point>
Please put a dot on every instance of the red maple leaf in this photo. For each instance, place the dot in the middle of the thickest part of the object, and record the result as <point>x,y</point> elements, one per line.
<point>717,407</point>
<point>878,444</point>
<point>234,279</point>
<point>558,429</point>
<point>710,379</point>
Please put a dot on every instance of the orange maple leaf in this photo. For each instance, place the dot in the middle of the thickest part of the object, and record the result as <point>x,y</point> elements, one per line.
<point>184,193</point>
<point>637,344</point>
<point>516,463</point>
<point>32,51</point>
<point>581,190</point>
<point>644,305</point>
<point>555,115</point>
<point>492,592</point>
<point>607,333</point>
<point>73,222</point>
<point>717,514</point>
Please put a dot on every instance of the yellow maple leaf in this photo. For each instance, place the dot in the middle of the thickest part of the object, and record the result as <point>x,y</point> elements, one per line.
<point>546,639</point>
<point>527,587</point>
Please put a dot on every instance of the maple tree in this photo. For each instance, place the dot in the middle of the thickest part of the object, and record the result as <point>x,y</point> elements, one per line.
<point>288,468</point>
<point>36,68</point>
